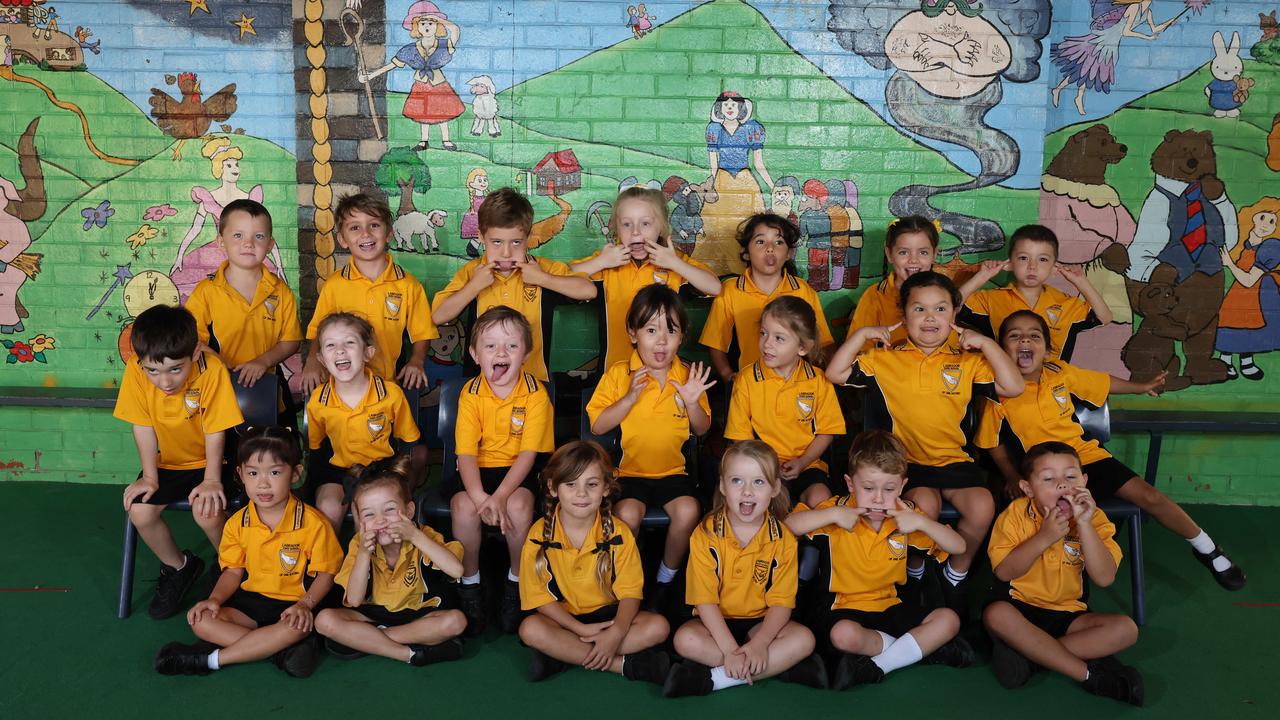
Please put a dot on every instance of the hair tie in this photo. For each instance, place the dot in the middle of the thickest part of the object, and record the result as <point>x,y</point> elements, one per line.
<point>603,546</point>
<point>547,544</point>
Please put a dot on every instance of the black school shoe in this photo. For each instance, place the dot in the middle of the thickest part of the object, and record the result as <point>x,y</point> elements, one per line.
<point>511,614</point>
<point>1011,668</point>
<point>178,659</point>
<point>956,653</point>
<point>543,666</point>
<point>471,600</point>
<point>809,672</point>
<point>647,666</point>
<point>446,651</point>
<point>173,585</point>
<point>340,651</point>
<point>1232,578</point>
<point>687,679</point>
<point>1116,681</point>
<point>856,670</point>
<point>299,660</point>
<point>659,598</point>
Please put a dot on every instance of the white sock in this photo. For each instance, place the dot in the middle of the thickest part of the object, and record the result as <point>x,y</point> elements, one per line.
<point>720,681</point>
<point>665,574</point>
<point>915,573</point>
<point>903,652</point>
<point>953,576</point>
<point>410,658</point>
<point>471,579</point>
<point>510,576</point>
<point>808,562</point>
<point>1204,545</point>
<point>213,660</point>
<point>886,640</point>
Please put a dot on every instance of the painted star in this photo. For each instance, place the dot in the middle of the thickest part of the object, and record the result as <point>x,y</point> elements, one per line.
<point>245,24</point>
<point>198,5</point>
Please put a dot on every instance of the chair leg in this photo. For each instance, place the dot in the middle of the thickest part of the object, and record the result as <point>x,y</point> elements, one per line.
<point>1136,570</point>
<point>125,605</point>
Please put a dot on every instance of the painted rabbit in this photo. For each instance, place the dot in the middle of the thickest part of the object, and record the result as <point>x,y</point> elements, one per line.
<point>1223,92</point>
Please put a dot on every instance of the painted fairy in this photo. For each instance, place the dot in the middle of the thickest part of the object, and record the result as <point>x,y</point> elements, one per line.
<point>1089,61</point>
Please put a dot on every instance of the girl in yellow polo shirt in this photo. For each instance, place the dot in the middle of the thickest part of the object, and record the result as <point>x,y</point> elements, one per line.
<point>910,246</point>
<point>580,570</point>
<point>742,583</point>
<point>658,401</point>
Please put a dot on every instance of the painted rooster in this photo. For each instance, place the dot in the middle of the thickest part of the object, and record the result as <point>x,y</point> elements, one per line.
<point>190,118</point>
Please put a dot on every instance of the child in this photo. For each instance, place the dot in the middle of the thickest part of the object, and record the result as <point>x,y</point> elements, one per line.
<point>867,533</point>
<point>581,572</point>
<point>658,401</point>
<point>180,402</point>
<point>1033,258</point>
<point>356,411</point>
<point>641,254</point>
<point>377,289</point>
<point>910,246</point>
<point>742,584</point>
<point>399,577</point>
<point>767,243</point>
<point>1040,547</point>
<point>260,607</point>
<point>245,311</point>
<point>925,384</point>
<point>505,420</point>
<point>506,275</point>
<point>787,403</point>
<point>1044,412</point>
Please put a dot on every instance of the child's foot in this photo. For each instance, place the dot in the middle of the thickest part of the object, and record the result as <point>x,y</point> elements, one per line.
<point>450,649</point>
<point>647,666</point>
<point>341,651</point>
<point>912,592</point>
<point>1231,577</point>
<point>178,659</point>
<point>543,666</point>
<point>856,670</point>
<point>173,585</point>
<point>471,598</point>
<point>956,653</point>
<point>511,615</point>
<point>809,672</point>
<point>687,679</point>
<point>1011,669</point>
<point>298,660</point>
<point>1116,681</point>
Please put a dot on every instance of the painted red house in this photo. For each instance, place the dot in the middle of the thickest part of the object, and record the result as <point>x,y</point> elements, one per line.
<point>558,173</point>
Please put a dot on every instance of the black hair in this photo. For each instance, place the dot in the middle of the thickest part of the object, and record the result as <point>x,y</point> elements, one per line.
<point>254,209</point>
<point>164,332</point>
<point>1052,447</point>
<point>925,279</point>
<point>1033,233</point>
<point>279,443</point>
<point>655,300</point>
<point>911,224</point>
<point>790,235</point>
<point>1020,314</point>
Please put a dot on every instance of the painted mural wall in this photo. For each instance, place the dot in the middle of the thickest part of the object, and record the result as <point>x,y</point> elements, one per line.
<point>1144,133</point>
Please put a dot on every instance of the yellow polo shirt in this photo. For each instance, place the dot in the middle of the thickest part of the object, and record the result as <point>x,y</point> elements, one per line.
<point>570,574</point>
<point>1067,315</point>
<point>243,330</point>
<point>736,312</point>
<point>414,583</point>
<point>786,413</point>
<point>362,434</point>
<point>743,581</point>
<point>302,542</point>
<point>878,306</point>
<point>1046,411</point>
<point>496,430</point>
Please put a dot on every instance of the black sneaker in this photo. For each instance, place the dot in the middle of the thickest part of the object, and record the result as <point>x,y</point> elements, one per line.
<point>1011,668</point>
<point>1116,681</point>
<point>510,614</point>
<point>178,659</point>
<point>340,651</point>
<point>809,672</point>
<point>471,598</point>
<point>1232,578</point>
<point>298,660</point>
<point>647,666</point>
<point>956,653</point>
<point>912,591</point>
<point>543,666</point>
<point>659,598</point>
<point>955,597</point>
<point>686,679</point>
<point>173,585</point>
<point>856,670</point>
<point>450,649</point>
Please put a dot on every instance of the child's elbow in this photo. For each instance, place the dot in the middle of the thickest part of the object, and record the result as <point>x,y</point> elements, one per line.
<point>1103,579</point>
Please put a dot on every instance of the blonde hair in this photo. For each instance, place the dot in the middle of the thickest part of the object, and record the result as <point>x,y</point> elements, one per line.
<point>443,28</point>
<point>880,450</point>
<point>1244,222</point>
<point>219,150</point>
<point>471,176</point>
<point>567,464</point>
<point>767,459</point>
<point>797,316</point>
<point>655,198</point>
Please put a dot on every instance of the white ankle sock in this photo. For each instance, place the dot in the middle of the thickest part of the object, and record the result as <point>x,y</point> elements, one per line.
<point>510,576</point>
<point>886,640</point>
<point>953,576</point>
<point>808,562</point>
<point>213,660</point>
<point>900,654</point>
<point>915,573</point>
<point>471,579</point>
<point>665,574</point>
<point>720,681</point>
<point>1204,545</point>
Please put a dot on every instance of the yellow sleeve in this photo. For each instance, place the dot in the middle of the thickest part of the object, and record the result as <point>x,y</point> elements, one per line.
<point>607,390</point>
<point>535,590</point>
<point>198,305</point>
<point>539,426</point>
<point>292,329</point>
<point>980,303</point>
<point>991,420</point>
<point>828,419</point>
<point>1007,533</point>
<point>325,553</point>
<point>717,333</point>
<point>1089,385</point>
<point>786,578</point>
<point>324,306</point>
<point>597,277</point>
<point>466,434</point>
<point>555,267</point>
<point>419,325</point>
<point>460,278</point>
<point>403,424</point>
<point>702,584</point>
<point>1075,310</point>
<point>738,425</point>
<point>628,579</point>
<point>220,410</point>
<point>453,546</point>
<point>129,406</point>
<point>824,330</point>
<point>348,563</point>
<point>1107,533</point>
<point>315,420</point>
<point>231,551</point>
<point>982,373</point>
<point>864,314</point>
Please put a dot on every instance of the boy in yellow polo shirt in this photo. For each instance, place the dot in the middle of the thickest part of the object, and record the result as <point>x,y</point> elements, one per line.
<point>377,289</point>
<point>867,533</point>
<point>1041,546</point>
<point>1033,259</point>
<point>507,275</point>
<point>180,402</point>
<point>504,422</point>
<point>260,607</point>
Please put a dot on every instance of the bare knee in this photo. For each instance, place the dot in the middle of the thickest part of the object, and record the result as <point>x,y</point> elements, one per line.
<point>847,636</point>
<point>630,512</point>
<point>533,631</point>
<point>996,615</point>
<point>927,500</point>
<point>326,621</point>
<point>945,619</point>
<point>684,514</point>
<point>461,506</point>
<point>453,622</point>
<point>520,507</point>
<point>653,628</point>
<point>142,515</point>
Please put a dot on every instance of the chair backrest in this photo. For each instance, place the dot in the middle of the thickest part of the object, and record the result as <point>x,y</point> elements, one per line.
<point>448,423</point>
<point>258,404</point>
<point>1096,421</point>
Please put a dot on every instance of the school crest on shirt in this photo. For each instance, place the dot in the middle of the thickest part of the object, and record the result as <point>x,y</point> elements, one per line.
<point>377,424</point>
<point>805,403</point>
<point>393,303</point>
<point>411,576</point>
<point>290,555</point>
<point>951,375</point>
<point>1059,393</point>
<point>1053,313</point>
<point>681,411</point>
<point>191,402</point>
<point>269,306</point>
<point>660,277</point>
<point>761,572</point>
<point>530,293</point>
<point>897,543</point>
<point>1071,552</point>
<point>517,421</point>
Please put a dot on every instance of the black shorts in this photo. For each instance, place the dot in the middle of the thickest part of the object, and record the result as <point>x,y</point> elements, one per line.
<point>946,477</point>
<point>176,485</point>
<point>379,615</point>
<point>599,615</point>
<point>896,620</point>
<point>657,492</point>
<point>323,472</point>
<point>740,628</point>
<point>1106,476</point>
<point>1054,622</point>
<point>490,479</point>
<point>261,609</point>
<point>807,479</point>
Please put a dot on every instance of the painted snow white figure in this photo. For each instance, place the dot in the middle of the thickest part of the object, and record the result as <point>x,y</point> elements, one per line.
<point>432,100</point>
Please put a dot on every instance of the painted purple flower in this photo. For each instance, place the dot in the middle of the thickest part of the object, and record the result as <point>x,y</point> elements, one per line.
<point>1197,6</point>
<point>159,212</point>
<point>97,216</point>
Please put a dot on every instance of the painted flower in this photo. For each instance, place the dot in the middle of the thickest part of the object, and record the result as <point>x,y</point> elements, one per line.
<point>140,238</point>
<point>97,216</point>
<point>18,352</point>
<point>159,212</point>
<point>1197,6</point>
<point>41,342</point>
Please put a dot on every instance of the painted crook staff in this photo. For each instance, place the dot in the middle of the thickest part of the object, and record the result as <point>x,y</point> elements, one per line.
<point>355,39</point>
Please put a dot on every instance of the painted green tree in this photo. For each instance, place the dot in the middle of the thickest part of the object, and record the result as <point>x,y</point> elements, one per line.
<point>403,171</point>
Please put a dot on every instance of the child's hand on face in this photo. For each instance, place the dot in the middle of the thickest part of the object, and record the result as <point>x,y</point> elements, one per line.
<point>368,539</point>
<point>698,383</point>
<point>1156,385</point>
<point>973,340</point>
<point>483,275</point>
<point>664,256</point>
<point>1082,505</point>
<point>847,517</point>
<point>908,520</point>
<point>1056,524</point>
<point>1074,274</point>
<point>614,255</point>
<point>403,528</point>
<point>297,617</point>
<point>881,334</point>
<point>532,272</point>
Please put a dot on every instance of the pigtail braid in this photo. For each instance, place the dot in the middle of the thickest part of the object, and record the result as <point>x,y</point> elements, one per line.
<point>604,560</point>
<point>548,532</point>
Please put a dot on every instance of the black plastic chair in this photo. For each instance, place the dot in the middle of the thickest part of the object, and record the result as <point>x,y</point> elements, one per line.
<point>258,405</point>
